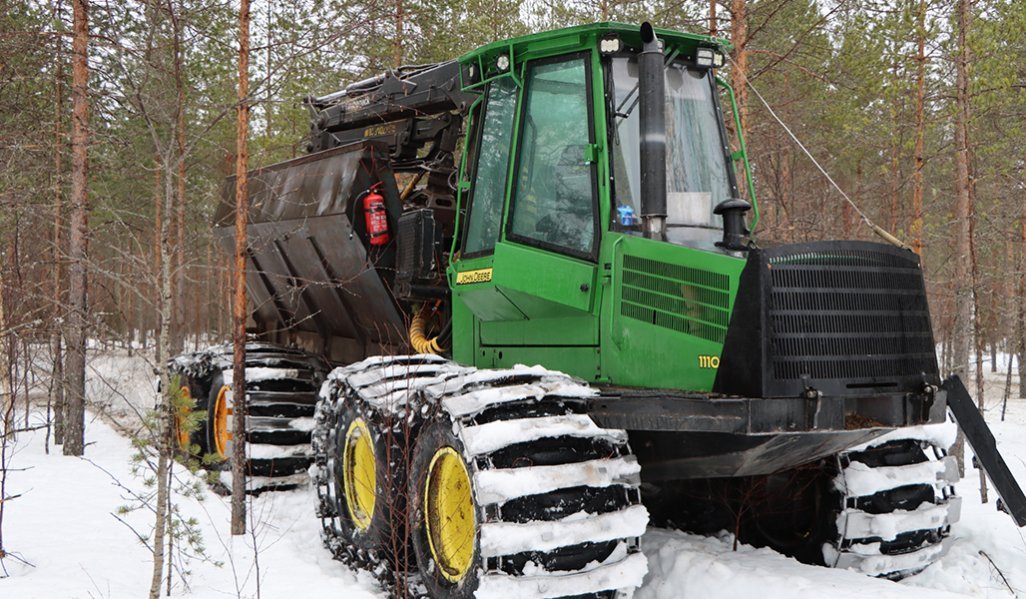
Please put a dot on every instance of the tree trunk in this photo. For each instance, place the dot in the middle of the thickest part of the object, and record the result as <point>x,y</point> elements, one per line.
<point>74,439</point>
<point>917,176</point>
<point>977,318</point>
<point>1021,305</point>
<point>398,46</point>
<point>268,104</point>
<point>158,254</point>
<point>239,303</point>
<point>6,411</point>
<point>739,70</point>
<point>162,441</point>
<point>895,164</point>
<point>56,395</point>
<point>963,291</point>
<point>178,332</point>
<point>168,332</point>
<point>712,18</point>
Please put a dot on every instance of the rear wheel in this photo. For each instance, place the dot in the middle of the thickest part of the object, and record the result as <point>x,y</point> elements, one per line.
<point>219,426</point>
<point>281,389</point>
<point>190,436</point>
<point>894,507</point>
<point>445,530</point>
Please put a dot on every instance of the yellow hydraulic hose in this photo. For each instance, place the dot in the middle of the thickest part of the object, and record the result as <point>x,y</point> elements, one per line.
<point>421,344</point>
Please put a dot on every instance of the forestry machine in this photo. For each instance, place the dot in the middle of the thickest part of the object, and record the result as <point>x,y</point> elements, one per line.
<point>532,271</point>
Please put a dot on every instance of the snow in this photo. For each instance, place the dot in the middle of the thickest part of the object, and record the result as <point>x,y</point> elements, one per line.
<point>255,374</point>
<point>261,451</point>
<point>685,565</point>
<point>859,479</point>
<point>859,525</point>
<point>488,437</point>
<point>306,423</point>
<point>628,572</point>
<point>941,435</point>
<point>64,524</point>
<point>507,538</point>
<point>470,403</point>
<point>497,486</point>
<point>867,559</point>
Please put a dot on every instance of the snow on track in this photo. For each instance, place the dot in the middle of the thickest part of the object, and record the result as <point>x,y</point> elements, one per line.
<point>498,486</point>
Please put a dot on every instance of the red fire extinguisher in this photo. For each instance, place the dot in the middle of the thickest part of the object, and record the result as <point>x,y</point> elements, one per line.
<point>375,216</point>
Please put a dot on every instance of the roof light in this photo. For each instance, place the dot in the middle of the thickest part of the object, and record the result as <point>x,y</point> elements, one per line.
<point>708,58</point>
<point>704,57</point>
<point>610,44</point>
<point>502,62</point>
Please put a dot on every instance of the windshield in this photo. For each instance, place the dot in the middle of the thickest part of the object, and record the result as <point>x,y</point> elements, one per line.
<point>697,174</point>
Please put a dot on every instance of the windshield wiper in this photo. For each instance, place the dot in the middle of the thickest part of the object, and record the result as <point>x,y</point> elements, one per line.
<point>631,94</point>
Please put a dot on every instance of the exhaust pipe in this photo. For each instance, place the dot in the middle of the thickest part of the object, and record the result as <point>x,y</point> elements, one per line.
<point>651,99</point>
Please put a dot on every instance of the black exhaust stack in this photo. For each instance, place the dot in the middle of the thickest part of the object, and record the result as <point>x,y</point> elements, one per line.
<point>651,92</point>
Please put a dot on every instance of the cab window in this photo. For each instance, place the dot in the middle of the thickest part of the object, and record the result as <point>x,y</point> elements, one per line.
<point>554,203</point>
<point>488,187</point>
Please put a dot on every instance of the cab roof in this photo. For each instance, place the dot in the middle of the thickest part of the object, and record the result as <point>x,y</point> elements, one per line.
<point>585,36</point>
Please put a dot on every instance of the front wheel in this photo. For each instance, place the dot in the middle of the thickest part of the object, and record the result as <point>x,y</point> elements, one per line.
<point>515,491</point>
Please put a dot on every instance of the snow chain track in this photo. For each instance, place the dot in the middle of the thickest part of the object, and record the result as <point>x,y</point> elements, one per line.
<point>281,387</point>
<point>897,504</point>
<point>555,497</point>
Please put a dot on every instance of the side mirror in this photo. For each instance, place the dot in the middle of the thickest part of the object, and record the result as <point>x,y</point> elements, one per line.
<point>734,231</point>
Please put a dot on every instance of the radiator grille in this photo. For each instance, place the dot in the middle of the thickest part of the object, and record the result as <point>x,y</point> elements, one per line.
<point>851,314</point>
<point>681,298</point>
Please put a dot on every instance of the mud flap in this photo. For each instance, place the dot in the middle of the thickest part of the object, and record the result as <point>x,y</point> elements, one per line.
<point>982,441</point>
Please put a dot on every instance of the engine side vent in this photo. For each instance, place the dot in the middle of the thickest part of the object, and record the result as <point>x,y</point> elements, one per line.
<point>681,298</point>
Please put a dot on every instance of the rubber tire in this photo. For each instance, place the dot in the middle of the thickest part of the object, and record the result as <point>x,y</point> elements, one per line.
<point>433,437</point>
<point>819,504</point>
<point>375,543</point>
<point>198,437</point>
<point>216,382</point>
<point>907,452</point>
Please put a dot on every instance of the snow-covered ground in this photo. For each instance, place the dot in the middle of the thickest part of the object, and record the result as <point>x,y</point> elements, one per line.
<point>70,524</point>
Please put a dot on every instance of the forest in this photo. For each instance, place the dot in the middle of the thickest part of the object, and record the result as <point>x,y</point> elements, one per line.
<point>915,109</point>
<point>119,126</point>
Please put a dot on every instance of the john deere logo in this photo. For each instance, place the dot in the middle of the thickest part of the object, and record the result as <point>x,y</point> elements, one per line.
<point>481,275</point>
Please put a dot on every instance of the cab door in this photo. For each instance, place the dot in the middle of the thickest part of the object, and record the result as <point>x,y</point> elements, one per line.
<point>545,262</point>
<point>541,269</point>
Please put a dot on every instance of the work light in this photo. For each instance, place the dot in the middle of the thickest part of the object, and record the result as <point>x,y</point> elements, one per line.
<point>610,44</point>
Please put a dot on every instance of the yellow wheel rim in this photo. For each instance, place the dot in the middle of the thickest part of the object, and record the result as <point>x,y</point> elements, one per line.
<point>359,476</point>
<point>181,415</point>
<point>449,514</point>
<point>222,432</point>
